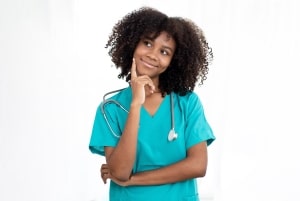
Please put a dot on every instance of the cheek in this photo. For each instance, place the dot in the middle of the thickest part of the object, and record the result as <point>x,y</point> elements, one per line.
<point>165,62</point>
<point>139,50</point>
<point>135,53</point>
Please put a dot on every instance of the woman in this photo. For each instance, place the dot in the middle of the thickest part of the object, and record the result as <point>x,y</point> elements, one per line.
<point>147,156</point>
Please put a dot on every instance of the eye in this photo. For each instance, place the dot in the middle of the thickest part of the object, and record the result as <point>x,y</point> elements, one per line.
<point>147,43</point>
<point>164,52</point>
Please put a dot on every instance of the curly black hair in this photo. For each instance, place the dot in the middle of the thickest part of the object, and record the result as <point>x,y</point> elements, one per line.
<point>190,60</point>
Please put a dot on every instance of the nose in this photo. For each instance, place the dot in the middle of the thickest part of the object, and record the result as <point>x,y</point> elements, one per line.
<point>152,54</point>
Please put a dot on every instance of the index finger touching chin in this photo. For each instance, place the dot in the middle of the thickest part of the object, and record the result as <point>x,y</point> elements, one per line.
<point>133,69</point>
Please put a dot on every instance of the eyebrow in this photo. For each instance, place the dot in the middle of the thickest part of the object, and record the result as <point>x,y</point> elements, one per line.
<point>152,39</point>
<point>169,48</point>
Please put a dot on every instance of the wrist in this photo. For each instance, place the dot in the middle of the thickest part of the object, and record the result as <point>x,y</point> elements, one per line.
<point>130,181</point>
<point>135,106</point>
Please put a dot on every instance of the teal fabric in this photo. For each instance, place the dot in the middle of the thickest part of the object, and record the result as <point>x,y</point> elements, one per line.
<point>153,149</point>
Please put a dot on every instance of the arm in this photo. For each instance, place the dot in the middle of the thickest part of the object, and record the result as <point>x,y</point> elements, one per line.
<point>120,159</point>
<point>193,166</point>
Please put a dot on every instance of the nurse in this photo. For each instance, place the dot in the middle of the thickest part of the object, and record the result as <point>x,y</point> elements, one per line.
<point>162,58</point>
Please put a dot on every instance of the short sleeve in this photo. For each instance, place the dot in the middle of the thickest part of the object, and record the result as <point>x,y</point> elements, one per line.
<point>101,133</point>
<point>197,127</point>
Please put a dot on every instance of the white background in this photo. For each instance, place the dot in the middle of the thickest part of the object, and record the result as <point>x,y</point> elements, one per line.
<point>54,70</point>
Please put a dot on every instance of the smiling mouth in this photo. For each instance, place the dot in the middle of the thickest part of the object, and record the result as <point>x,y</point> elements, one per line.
<point>148,65</point>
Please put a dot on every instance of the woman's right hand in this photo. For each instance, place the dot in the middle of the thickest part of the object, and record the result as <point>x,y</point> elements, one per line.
<point>139,86</point>
<point>105,175</point>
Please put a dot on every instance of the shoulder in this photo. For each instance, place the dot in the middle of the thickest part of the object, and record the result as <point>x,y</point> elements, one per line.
<point>117,97</point>
<point>190,102</point>
<point>119,94</point>
<point>189,98</point>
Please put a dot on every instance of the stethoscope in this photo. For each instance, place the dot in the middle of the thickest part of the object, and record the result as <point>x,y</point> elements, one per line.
<point>172,134</point>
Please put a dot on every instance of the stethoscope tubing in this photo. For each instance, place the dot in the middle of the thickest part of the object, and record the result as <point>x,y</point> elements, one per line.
<point>172,134</point>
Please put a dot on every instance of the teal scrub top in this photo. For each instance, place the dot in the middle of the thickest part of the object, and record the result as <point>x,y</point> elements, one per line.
<point>153,148</point>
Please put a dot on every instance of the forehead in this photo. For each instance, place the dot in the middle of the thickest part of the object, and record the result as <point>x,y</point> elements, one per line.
<point>155,35</point>
<point>166,36</point>
<point>163,36</point>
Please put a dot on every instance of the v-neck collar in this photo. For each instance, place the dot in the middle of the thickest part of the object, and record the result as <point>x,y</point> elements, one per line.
<point>163,102</point>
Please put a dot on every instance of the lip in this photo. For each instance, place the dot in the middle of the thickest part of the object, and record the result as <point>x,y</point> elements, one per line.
<point>148,65</point>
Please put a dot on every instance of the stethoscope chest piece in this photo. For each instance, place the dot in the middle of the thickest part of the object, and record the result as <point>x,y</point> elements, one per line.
<point>172,135</point>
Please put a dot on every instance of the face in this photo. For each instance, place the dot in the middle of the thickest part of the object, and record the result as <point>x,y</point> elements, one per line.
<point>153,56</point>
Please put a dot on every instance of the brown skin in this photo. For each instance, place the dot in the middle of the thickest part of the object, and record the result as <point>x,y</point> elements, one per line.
<point>151,58</point>
<point>190,60</point>
<point>193,166</point>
